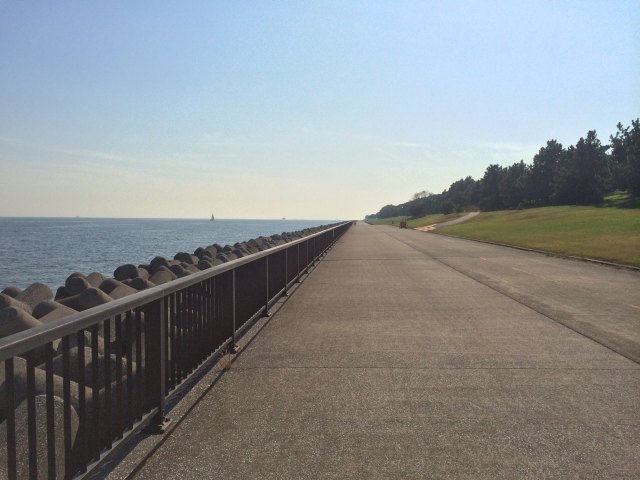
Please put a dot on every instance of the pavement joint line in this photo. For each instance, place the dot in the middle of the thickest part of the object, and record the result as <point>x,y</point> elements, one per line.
<point>363,260</point>
<point>319,367</point>
<point>623,354</point>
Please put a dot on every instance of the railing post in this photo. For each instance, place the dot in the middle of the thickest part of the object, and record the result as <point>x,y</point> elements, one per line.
<point>286,273</point>
<point>11,419</point>
<point>233,348</point>
<point>266,293</point>
<point>156,369</point>
<point>31,416</point>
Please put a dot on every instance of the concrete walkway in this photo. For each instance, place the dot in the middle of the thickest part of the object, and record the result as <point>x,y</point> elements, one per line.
<point>393,362</point>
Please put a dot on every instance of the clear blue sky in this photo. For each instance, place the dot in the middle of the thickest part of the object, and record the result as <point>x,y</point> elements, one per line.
<point>266,109</point>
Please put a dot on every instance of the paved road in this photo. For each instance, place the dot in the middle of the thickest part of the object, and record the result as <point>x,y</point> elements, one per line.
<point>408,355</point>
<point>462,219</point>
<point>602,303</point>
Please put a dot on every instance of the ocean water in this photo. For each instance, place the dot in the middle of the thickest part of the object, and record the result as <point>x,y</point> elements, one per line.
<point>48,250</point>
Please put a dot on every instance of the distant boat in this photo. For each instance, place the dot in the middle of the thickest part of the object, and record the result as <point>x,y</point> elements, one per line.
<point>212,217</point>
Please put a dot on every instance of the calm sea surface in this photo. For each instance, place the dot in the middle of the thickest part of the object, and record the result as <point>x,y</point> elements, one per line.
<point>48,250</point>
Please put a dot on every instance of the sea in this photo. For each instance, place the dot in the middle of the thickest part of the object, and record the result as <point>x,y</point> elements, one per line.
<point>48,250</point>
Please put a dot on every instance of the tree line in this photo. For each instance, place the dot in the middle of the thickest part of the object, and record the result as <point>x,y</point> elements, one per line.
<point>580,174</point>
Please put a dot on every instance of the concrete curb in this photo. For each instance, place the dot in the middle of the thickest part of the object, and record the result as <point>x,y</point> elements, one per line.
<point>550,254</point>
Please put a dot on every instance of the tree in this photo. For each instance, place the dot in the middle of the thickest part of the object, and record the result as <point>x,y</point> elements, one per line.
<point>625,158</point>
<point>388,211</point>
<point>462,194</point>
<point>422,194</point>
<point>582,173</point>
<point>490,189</point>
<point>513,185</point>
<point>542,172</point>
<point>633,156</point>
<point>423,203</point>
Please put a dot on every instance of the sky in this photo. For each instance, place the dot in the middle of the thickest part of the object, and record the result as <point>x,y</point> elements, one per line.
<point>306,110</point>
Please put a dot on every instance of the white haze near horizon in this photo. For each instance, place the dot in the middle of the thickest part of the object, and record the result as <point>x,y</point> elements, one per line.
<point>312,111</point>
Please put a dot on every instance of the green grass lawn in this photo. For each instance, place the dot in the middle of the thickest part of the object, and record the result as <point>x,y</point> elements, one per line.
<point>601,232</point>
<point>417,222</point>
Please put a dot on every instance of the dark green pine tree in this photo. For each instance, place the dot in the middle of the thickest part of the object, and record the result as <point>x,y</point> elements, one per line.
<point>513,185</point>
<point>541,174</point>
<point>490,199</point>
<point>582,174</point>
<point>625,158</point>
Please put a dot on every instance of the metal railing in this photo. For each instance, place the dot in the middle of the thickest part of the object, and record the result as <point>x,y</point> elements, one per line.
<point>73,389</point>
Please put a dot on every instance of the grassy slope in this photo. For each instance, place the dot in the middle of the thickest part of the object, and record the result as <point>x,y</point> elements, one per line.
<point>604,233</point>
<point>417,222</point>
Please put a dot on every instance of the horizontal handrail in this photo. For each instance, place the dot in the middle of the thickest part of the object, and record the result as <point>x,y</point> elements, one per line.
<point>26,340</point>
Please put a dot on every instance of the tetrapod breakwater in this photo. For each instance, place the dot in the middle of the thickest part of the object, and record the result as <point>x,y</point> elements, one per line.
<point>21,309</point>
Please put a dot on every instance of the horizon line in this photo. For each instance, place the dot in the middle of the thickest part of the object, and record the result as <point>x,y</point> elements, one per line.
<point>168,218</point>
